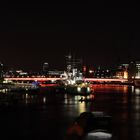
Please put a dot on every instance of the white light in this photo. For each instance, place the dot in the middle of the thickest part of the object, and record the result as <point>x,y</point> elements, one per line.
<point>137,91</point>
<point>90,71</point>
<point>78,89</point>
<point>101,135</point>
<point>88,89</point>
<point>44,99</point>
<point>72,82</point>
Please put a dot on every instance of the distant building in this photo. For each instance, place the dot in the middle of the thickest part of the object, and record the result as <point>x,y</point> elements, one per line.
<point>102,73</point>
<point>21,73</point>
<point>137,69</point>
<point>132,70</point>
<point>122,71</point>
<point>73,63</point>
<point>123,66</point>
<point>45,68</point>
<point>1,70</point>
<point>55,73</point>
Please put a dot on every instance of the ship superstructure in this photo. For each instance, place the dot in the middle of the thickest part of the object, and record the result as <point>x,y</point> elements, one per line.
<point>73,69</point>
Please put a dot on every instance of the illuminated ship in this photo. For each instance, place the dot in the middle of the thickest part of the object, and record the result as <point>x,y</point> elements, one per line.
<point>18,87</point>
<point>74,83</point>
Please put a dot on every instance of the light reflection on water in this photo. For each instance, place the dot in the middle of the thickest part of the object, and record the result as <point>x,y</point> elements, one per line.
<point>82,107</point>
<point>137,91</point>
<point>110,88</point>
<point>44,99</point>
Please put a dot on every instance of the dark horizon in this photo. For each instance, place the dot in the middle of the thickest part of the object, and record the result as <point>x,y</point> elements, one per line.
<point>32,34</point>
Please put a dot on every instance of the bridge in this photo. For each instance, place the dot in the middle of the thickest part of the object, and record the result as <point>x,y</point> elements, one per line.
<point>31,79</point>
<point>106,80</point>
<point>54,79</point>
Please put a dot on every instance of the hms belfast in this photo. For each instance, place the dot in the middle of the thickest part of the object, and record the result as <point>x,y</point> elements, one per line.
<point>74,83</point>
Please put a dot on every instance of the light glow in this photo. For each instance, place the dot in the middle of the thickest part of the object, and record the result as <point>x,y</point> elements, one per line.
<point>125,75</point>
<point>78,89</point>
<point>88,89</point>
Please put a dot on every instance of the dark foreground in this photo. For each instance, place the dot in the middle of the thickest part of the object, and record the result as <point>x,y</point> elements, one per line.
<point>47,116</point>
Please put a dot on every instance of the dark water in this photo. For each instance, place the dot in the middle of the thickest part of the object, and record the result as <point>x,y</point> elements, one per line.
<point>48,115</point>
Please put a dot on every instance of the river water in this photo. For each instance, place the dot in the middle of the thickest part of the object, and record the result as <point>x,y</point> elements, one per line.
<point>46,116</point>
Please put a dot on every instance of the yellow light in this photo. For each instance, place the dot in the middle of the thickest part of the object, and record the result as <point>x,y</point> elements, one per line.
<point>88,89</point>
<point>125,75</point>
<point>83,84</point>
<point>82,107</point>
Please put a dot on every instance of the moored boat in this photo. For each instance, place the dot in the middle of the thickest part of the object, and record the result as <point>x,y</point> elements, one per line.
<point>81,88</point>
<point>19,87</point>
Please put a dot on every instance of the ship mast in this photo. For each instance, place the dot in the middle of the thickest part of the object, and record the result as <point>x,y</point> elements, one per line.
<point>73,69</point>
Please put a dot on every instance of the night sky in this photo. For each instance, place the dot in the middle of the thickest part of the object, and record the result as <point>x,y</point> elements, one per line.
<point>100,34</point>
